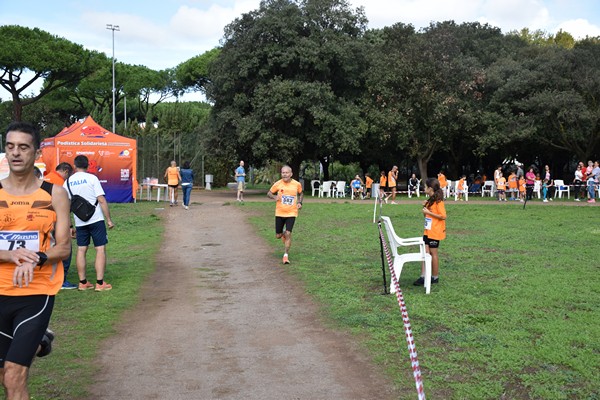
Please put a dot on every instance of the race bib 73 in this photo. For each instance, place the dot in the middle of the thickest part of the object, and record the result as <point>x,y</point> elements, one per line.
<point>12,240</point>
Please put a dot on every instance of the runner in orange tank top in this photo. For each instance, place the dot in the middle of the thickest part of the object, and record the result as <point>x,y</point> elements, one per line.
<point>288,195</point>
<point>33,215</point>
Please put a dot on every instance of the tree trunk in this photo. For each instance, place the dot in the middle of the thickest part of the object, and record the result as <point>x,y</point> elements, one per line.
<point>17,108</point>
<point>422,163</point>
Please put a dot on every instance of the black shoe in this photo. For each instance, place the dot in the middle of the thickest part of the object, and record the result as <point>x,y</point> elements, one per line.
<point>46,344</point>
<point>435,280</point>
<point>419,282</point>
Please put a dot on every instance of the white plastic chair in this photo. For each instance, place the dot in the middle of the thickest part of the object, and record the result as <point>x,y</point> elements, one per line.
<point>417,191</point>
<point>325,189</point>
<point>340,189</point>
<point>448,189</point>
<point>400,259</point>
<point>464,190</point>
<point>537,188</point>
<point>315,185</point>
<point>561,188</point>
<point>488,187</point>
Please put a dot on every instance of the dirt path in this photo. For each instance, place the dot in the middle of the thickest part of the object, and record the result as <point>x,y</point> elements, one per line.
<point>221,319</point>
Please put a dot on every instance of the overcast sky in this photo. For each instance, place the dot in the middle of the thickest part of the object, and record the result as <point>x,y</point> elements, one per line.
<point>164,33</point>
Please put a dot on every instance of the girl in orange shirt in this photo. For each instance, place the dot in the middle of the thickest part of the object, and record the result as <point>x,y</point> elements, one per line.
<point>382,185</point>
<point>435,227</point>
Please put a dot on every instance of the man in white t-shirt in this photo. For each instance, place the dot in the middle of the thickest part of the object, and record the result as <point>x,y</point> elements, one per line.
<point>88,186</point>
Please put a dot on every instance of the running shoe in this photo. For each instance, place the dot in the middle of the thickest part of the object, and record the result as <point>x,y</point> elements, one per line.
<point>103,287</point>
<point>286,260</point>
<point>68,285</point>
<point>591,201</point>
<point>46,343</point>
<point>85,286</point>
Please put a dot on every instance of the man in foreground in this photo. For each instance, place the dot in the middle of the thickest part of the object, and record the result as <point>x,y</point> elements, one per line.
<point>88,186</point>
<point>287,193</point>
<point>33,214</point>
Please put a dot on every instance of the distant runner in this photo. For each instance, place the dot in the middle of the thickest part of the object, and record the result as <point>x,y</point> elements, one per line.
<point>287,192</point>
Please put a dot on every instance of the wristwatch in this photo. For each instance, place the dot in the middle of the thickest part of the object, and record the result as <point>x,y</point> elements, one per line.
<point>43,258</point>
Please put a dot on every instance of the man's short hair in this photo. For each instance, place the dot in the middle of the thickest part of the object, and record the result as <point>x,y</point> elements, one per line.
<point>81,162</point>
<point>65,166</point>
<point>28,128</point>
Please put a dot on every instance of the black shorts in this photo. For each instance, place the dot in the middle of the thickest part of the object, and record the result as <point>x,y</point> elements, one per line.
<point>281,221</point>
<point>23,322</point>
<point>96,231</point>
<point>432,243</point>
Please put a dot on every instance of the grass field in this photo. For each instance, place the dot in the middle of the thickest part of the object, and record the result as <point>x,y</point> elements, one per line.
<point>515,315</point>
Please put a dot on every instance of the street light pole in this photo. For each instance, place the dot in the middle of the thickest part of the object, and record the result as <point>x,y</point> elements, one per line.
<point>113,28</point>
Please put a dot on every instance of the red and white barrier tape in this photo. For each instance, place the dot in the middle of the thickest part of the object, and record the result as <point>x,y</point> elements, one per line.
<point>410,341</point>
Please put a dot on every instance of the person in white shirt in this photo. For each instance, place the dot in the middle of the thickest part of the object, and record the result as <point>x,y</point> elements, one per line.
<point>88,186</point>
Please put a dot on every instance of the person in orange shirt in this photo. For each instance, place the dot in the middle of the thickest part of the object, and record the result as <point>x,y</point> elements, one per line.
<point>435,227</point>
<point>368,185</point>
<point>443,182</point>
<point>392,182</point>
<point>57,177</point>
<point>501,187</point>
<point>382,186</point>
<point>522,188</point>
<point>34,222</point>
<point>513,185</point>
<point>460,188</point>
<point>62,172</point>
<point>173,178</point>
<point>287,193</point>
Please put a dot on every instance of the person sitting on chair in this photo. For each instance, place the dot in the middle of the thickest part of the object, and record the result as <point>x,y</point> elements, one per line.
<point>356,186</point>
<point>413,184</point>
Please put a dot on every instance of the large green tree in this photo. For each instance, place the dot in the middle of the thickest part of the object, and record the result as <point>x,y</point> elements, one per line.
<point>30,55</point>
<point>286,83</point>
<point>427,89</point>
<point>550,96</point>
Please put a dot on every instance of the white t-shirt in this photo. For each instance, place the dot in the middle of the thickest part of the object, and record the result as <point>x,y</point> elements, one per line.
<point>87,186</point>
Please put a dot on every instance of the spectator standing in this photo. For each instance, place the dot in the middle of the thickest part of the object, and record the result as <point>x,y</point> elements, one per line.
<point>88,186</point>
<point>497,175</point>
<point>460,188</point>
<point>288,195</point>
<point>501,187</point>
<point>368,185</point>
<point>593,180</point>
<point>529,182</point>
<point>240,177</point>
<point>383,186</point>
<point>519,173</point>
<point>187,183</point>
<point>550,184</point>
<point>392,181</point>
<point>31,273</point>
<point>173,178</point>
<point>443,182</point>
<point>57,177</point>
<point>546,185</point>
<point>435,227</point>
<point>513,185</point>
<point>522,188</point>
